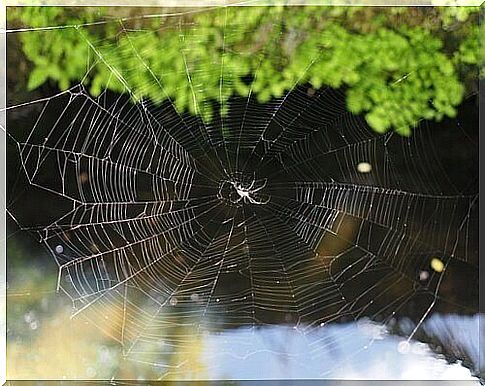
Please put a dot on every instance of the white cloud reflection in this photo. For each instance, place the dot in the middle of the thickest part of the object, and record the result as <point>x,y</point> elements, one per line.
<point>341,351</point>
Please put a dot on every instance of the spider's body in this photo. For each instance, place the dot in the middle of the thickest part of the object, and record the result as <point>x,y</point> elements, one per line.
<point>246,192</point>
<point>236,192</point>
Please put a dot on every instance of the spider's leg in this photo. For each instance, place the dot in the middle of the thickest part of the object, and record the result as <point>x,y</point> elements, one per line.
<point>253,201</point>
<point>260,187</point>
<point>219,194</point>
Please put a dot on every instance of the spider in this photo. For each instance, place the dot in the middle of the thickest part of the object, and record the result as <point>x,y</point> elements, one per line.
<point>245,193</point>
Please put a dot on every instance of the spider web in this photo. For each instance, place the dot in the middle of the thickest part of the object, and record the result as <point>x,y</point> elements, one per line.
<point>167,227</point>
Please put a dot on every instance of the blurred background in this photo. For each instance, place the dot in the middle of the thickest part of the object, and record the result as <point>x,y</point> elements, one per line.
<point>401,69</point>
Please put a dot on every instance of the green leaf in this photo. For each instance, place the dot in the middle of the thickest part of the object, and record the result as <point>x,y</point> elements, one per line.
<point>378,121</point>
<point>37,77</point>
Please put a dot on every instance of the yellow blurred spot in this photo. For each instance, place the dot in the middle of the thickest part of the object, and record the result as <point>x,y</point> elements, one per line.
<point>437,264</point>
<point>364,167</point>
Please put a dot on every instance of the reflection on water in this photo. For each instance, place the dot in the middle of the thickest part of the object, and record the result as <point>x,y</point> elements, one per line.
<point>360,350</point>
<point>459,337</point>
<point>47,343</point>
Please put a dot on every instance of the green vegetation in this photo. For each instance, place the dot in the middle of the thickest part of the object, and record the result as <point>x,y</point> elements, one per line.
<point>397,65</point>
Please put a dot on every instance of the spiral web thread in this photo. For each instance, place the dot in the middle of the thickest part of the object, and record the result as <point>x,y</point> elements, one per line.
<point>167,227</point>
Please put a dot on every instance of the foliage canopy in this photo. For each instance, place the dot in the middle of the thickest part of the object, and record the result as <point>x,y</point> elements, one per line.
<point>396,65</point>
